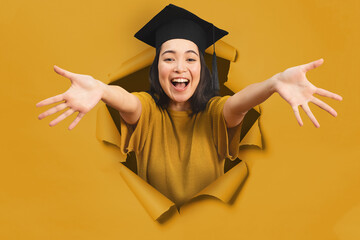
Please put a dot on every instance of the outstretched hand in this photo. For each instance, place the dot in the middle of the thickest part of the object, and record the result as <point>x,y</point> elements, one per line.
<point>84,93</point>
<point>293,86</point>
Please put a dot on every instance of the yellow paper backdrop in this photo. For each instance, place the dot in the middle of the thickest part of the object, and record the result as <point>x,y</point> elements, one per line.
<point>60,184</point>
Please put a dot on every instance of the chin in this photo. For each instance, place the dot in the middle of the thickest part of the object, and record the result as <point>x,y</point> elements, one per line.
<point>180,99</point>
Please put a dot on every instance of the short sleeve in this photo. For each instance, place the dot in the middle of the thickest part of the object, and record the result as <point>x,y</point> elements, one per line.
<point>226,140</point>
<point>133,137</point>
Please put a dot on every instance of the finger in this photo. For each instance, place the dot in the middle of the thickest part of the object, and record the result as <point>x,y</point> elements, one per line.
<point>310,115</point>
<point>63,72</point>
<point>61,117</point>
<point>76,121</point>
<point>324,106</point>
<point>312,65</point>
<point>326,93</point>
<point>53,110</point>
<point>54,99</point>
<point>297,115</point>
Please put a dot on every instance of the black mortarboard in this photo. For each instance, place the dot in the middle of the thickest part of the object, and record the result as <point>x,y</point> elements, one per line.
<point>175,22</point>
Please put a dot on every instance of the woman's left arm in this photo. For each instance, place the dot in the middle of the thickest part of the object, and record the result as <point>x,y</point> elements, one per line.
<point>292,85</point>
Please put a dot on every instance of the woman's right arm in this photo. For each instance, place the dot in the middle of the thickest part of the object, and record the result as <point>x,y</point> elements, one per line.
<point>128,105</point>
<point>83,95</point>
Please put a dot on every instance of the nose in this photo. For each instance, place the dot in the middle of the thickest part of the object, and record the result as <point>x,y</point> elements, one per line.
<point>180,67</point>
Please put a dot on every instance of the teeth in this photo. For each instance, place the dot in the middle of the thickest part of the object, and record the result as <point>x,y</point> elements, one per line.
<point>180,80</point>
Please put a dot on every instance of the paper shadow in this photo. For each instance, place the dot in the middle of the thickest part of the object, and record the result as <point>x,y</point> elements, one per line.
<point>164,218</point>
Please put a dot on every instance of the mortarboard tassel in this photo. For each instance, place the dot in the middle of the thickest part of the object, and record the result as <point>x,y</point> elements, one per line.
<point>215,72</point>
<point>215,76</point>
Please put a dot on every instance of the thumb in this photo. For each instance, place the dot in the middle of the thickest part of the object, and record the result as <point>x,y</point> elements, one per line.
<point>63,72</point>
<point>312,65</point>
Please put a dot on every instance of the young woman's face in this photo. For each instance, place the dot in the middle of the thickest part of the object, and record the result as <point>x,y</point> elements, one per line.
<point>179,70</point>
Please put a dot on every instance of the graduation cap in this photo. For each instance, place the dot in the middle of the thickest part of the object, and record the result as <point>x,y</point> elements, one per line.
<point>174,22</point>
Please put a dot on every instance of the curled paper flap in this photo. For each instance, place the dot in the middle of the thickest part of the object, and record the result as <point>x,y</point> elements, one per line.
<point>139,61</point>
<point>223,50</point>
<point>151,199</point>
<point>146,57</point>
<point>233,82</point>
<point>225,187</point>
<point>253,136</point>
<point>106,130</point>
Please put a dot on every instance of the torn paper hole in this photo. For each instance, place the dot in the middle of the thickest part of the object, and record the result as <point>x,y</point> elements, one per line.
<point>224,188</point>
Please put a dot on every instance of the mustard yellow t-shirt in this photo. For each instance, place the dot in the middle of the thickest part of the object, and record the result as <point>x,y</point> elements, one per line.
<point>177,154</point>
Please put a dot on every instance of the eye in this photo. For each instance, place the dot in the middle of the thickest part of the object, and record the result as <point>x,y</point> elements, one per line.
<point>168,59</point>
<point>191,59</point>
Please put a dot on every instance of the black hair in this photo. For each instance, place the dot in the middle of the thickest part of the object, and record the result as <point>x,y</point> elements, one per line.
<point>198,101</point>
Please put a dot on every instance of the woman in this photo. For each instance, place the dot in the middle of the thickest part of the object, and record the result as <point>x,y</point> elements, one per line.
<point>181,132</point>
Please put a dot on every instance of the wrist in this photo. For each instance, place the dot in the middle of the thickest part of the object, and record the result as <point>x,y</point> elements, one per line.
<point>103,88</point>
<point>272,83</point>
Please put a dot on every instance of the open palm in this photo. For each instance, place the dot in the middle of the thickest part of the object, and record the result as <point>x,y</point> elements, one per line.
<point>83,94</point>
<point>293,86</point>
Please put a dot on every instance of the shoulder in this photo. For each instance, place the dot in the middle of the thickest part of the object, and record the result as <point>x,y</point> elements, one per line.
<point>148,104</point>
<point>216,103</point>
<point>146,99</point>
<point>144,96</point>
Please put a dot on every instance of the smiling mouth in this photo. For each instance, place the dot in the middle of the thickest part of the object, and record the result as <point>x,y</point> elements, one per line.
<point>180,83</point>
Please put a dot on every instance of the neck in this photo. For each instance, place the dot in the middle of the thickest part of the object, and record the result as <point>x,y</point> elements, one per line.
<point>180,106</point>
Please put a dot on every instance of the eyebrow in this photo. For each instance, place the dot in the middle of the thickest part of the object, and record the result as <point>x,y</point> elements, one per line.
<point>172,51</point>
